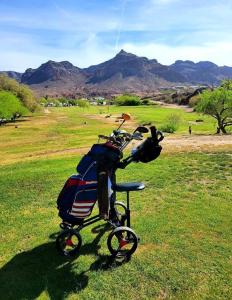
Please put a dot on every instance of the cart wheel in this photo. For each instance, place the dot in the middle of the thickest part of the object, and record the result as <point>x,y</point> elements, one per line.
<point>122,241</point>
<point>69,242</point>
<point>120,209</point>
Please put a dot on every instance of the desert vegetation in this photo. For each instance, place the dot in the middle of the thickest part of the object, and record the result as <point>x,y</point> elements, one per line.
<point>62,102</point>
<point>10,107</point>
<point>172,123</point>
<point>15,99</point>
<point>218,104</point>
<point>127,100</point>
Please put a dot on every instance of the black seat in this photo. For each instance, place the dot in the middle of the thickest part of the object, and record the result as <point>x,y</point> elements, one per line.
<point>128,187</point>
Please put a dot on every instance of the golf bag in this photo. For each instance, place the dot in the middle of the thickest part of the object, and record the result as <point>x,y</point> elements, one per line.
<point>93,182</point>
<point>146,152</point>
<point>150,149</point>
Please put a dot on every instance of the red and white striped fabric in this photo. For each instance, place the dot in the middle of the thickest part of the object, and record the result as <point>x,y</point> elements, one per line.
<point>82,209</point>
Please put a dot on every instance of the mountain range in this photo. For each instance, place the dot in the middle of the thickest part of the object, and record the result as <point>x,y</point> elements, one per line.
<point>125,72</point>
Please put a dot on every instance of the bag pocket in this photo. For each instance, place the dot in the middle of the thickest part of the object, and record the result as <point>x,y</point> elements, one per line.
<point>85,199</point>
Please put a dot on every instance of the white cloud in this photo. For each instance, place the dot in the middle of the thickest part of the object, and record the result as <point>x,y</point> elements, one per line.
<point>196,30</point>
<point>219,53</point>
<point>60,19</point>
<point>90,51</point>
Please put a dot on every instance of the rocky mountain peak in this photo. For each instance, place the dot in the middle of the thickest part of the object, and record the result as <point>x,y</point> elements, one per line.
<point>126,72</point>
<point>125,55</point>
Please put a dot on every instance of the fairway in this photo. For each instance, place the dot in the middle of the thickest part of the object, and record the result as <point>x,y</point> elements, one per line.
<point>183,217</point>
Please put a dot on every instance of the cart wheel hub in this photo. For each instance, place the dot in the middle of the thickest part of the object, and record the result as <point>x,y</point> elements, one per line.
<point>122,243</point>
<point>69,243</point>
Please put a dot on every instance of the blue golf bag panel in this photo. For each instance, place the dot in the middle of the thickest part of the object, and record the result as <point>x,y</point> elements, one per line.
<point>87,168</point>
<point>99,154</point>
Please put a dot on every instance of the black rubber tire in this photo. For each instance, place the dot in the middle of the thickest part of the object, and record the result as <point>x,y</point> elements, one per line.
<point>75,242</point>
<point>119,214</point>
<point>125,235</point>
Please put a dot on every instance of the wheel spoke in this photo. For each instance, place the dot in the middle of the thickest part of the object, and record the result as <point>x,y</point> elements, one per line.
<point>119,244</point>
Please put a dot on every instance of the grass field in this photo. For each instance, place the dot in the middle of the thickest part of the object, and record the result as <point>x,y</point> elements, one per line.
<point>183,217</point>
<point>64,129</point>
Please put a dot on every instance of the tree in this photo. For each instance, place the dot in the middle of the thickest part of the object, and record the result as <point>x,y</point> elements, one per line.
<point>227,84</point>
<point>10,106</point>
<point>218,104</point>
<point>23,93</point>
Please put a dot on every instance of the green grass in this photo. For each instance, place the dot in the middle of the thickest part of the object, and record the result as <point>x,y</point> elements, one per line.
<point>65,128</point>
<point>59,130</point>
<point>158,115</point>
<point>183,218</point>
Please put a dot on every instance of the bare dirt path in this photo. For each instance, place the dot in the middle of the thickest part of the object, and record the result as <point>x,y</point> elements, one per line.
<point>188,143</point>
<point>172,105</point>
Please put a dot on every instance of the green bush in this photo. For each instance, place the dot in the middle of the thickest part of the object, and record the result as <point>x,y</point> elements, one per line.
<point>172,123</point>
<point>146,101</point>
<point>63,101</point>
<point>43,101</point>
<point>23,93</point>
<point>83,103</point>
<point>127,100</point>
<point>10,106</point>
<point>194,100</point>
<point>169,128</point>
<point>72,102</point>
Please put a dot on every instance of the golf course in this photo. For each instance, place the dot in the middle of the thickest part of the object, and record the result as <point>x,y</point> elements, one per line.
<point>183,216</point>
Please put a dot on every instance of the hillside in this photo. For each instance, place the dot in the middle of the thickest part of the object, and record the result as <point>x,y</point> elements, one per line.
<point>125,72</point>
<point>12,74</point>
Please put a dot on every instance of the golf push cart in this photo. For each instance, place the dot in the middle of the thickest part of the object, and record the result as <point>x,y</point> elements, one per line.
<point>96,181</point>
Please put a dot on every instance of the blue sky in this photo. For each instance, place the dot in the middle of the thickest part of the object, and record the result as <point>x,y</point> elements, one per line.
<point>89,32</point>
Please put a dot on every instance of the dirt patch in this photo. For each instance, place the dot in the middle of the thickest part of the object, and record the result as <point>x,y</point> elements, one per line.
<point>169,105</point>
<point>186,143</point>
<point>47,111</point>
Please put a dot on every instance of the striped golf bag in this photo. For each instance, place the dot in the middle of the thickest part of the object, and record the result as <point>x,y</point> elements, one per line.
<point>93,182</point>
